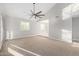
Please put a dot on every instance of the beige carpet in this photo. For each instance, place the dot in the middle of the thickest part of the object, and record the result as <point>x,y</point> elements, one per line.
<point>39,46</point>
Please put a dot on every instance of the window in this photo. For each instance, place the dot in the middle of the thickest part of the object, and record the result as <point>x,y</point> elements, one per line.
<point>66,12</point>
<point>43,24</point>
<point>75,7</point>
<point>42,27</point>
<point>9,34</point>
<point>66,35</point>
<point>24,26</point>
<point>69,10</point>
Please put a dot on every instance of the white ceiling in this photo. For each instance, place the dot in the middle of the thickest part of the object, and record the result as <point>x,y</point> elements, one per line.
<point>22,10</point>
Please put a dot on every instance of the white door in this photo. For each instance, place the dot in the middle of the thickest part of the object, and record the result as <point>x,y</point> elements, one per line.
<point>1,31</point>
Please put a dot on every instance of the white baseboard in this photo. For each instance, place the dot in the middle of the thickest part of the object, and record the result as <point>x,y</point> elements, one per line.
<point>22,37</point>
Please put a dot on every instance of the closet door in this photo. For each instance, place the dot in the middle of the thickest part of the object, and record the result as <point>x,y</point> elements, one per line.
<point>1,32</point>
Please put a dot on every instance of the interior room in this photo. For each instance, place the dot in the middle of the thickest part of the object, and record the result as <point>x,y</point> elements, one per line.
<point>39,29</point>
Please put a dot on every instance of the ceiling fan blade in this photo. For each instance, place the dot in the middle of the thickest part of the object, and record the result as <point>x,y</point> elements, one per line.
<point>41,15</point>
<point>39,12</point>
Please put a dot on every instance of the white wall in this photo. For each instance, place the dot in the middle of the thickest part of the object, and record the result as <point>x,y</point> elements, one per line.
<point>56,25</point>
<point>13,25</point>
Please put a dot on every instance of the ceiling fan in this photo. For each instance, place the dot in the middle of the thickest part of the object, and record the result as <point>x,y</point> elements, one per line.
<point>36,14</point>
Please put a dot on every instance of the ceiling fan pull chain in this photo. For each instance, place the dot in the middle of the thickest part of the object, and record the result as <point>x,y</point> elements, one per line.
<point>34,8</point>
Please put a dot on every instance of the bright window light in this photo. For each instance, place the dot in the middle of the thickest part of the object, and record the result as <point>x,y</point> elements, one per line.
<point>27,51</point>
<point>13,52</point>
<point>11,35</point>
<point>66,12</point>
<point>66,35</point>
<point>75,44</point>
<point>45,21</point>
<point>24,26</point>
<point>7,35</point>
<point>42,26</point>
<point>75,7</point>
<point>69,10</point>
